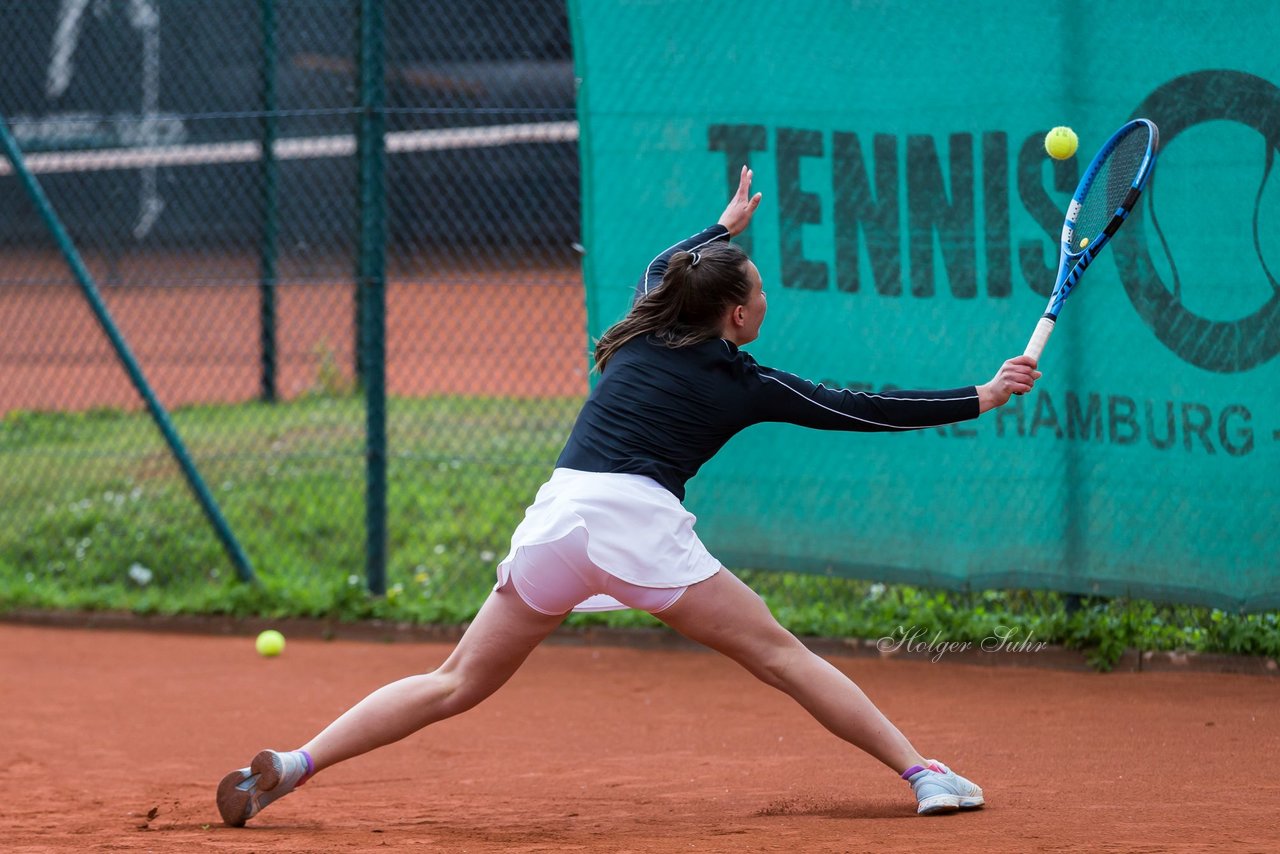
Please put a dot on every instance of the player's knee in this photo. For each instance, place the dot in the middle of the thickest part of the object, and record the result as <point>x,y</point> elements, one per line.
<point>464,685</point>
<point>777,662</point>
<point>451,690</point>
<point>446,680</point>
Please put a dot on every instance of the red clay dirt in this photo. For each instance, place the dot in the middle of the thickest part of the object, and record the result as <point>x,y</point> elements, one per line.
<point>497,332</point>
<point>115,741</point>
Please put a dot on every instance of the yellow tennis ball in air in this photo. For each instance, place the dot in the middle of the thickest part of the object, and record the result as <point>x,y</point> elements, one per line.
<point>1061,143</point>
<point>270,643</point>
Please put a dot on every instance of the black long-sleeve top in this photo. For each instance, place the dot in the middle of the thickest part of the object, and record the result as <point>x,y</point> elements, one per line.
<point>663,412</point>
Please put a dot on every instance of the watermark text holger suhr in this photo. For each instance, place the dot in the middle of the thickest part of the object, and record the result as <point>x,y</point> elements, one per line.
<point>913,639</point>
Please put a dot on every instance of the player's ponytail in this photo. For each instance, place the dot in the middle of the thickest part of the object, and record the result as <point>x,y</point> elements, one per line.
<point>688,306</point>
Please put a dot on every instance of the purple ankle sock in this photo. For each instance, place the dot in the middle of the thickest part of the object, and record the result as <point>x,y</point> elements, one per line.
<point>311,767</point>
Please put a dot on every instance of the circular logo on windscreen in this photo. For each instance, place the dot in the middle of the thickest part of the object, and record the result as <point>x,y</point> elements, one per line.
<point>1216,345</point>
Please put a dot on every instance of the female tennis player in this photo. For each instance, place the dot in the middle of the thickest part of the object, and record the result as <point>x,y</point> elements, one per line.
<point>608,529</point>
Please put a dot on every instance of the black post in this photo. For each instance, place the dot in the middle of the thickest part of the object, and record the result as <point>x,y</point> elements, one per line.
<point>267,248</point>
<point>371,286</point>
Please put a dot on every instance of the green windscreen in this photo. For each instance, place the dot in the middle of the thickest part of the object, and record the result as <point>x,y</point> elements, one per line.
<point>908,238</point>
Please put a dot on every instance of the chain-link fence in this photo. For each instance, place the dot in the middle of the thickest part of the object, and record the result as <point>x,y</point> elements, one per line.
<point>208,162</point>
<point>250,182</point>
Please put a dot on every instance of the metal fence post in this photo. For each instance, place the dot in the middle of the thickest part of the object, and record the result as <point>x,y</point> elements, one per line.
<point>270,212</point>
<point>158,414</point>
<point>371,285</point>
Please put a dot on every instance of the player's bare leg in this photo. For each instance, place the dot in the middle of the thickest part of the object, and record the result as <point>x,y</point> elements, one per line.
<point>494,646</point>
<point>729,617</point>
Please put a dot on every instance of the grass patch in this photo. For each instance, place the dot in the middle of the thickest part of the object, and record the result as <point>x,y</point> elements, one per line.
<point>94,515</point>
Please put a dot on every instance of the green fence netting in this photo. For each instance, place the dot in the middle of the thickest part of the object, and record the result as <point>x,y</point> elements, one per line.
<point>204,158</point>
<point>908,238</point>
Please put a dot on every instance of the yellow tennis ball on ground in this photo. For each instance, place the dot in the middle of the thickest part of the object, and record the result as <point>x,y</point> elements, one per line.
<point>1061,143</point>
<point>270,643</point>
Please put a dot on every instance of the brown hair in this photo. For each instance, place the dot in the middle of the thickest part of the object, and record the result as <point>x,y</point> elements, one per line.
<point>687,308</point>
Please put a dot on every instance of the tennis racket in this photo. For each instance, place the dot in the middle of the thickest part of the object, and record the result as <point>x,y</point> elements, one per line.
<point>1102,201</point>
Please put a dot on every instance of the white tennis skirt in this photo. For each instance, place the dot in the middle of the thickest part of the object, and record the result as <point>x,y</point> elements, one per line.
<point>637,531</point>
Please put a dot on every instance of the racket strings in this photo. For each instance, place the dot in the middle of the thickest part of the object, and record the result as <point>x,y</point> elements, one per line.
<point>1110,185</point>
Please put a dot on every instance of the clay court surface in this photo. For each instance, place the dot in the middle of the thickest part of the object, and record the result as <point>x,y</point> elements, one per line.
<point>602,748</point>
<point>514,332</point>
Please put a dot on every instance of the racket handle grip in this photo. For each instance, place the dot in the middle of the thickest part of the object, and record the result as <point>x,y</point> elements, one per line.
<point>1038,338</point>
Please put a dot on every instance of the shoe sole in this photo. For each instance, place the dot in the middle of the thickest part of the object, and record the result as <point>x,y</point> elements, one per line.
<point>235,791</point>
<point>269,769</point>
<point>943,804</point>
<point>233,801</point>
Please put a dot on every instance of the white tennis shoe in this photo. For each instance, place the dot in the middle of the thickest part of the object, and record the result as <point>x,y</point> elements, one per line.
<point>244,793</point>
<point>940,790</point>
